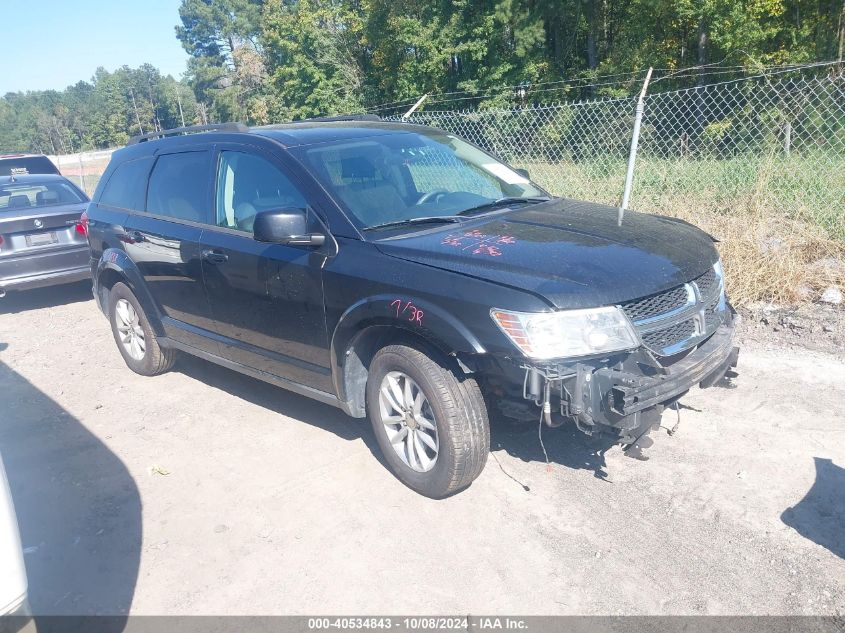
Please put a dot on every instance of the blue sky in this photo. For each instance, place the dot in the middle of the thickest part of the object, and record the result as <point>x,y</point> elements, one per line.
<point>55,43</point>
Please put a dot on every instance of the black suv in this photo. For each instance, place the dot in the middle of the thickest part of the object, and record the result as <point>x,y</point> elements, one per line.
<point>401,273</point>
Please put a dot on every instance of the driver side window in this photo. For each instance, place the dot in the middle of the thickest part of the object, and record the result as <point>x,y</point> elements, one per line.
<point>248,184</point>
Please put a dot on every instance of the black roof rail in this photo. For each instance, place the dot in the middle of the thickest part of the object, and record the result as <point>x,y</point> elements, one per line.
<point>341,117</point>
<point>190,129</point>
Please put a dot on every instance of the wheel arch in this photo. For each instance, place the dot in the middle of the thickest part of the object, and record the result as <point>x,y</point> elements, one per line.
<point>116,266</point>
<point>369,325</point>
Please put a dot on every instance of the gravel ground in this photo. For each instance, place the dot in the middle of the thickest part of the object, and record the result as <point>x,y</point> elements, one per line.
<point>205,492</point>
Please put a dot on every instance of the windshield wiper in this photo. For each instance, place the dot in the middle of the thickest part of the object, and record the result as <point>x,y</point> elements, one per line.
<point>433,219</point>
<point>502,201</point>
<point>461,215</point>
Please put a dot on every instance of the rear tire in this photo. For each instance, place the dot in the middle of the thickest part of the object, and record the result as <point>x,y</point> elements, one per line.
<point>438,461</point>
<point>135,339</point>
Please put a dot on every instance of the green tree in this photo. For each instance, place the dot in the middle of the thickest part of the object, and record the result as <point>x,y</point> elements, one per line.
<point>313,53</point>
<point>221,36</point>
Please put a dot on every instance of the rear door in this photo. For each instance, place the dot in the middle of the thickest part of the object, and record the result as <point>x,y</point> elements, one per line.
<point>38,229</point>
<point>267,299</point>
<point>164,243</point>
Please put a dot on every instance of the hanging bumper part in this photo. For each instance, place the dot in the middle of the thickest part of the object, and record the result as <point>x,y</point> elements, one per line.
<point>626,396</point>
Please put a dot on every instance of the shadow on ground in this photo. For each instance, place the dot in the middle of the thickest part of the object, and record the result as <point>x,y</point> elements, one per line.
<point>279,400</point>
<point>820,515</point>
<point>15,302</point>
<point>565,446</point>
<point>78,508</point>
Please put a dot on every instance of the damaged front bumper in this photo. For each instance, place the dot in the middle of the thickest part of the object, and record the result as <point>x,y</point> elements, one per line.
<point>629,393</point>
<point>626,395</point>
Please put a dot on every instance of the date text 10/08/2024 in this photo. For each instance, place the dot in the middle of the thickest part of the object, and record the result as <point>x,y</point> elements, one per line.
<point>425,623</point>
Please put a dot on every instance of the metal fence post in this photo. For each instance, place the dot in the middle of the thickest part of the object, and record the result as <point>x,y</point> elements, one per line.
<point>635,140</point>
<point>82,173</point>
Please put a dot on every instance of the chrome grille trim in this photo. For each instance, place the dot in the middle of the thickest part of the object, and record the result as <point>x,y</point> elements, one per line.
<point>696,310</point>
<point>690,301</point>
<point>667,337</point>
<point>707,284</point>
<point>657,305</point>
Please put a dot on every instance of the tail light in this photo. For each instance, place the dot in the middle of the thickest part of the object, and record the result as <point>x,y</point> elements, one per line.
<point>1,241</point>
<point>82,225</point>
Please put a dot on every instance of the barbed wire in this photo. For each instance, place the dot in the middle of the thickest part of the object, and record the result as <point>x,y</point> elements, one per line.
<point>531,85</point>
<point>565,85</point>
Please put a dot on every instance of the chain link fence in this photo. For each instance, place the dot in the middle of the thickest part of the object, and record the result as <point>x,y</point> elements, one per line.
<point>771,143</point>
<point>758,162</point>
<point>774,143</point>
<point>83,169</point>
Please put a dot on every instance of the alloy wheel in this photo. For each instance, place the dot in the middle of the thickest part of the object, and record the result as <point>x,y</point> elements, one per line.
<point>129,329</point>
<point>408,421</point>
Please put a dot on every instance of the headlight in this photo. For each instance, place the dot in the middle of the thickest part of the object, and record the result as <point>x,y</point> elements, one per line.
<point>568,333</point>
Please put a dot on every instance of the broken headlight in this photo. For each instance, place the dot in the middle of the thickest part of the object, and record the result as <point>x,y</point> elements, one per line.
<point>720,275</point>
<point>567,333</point>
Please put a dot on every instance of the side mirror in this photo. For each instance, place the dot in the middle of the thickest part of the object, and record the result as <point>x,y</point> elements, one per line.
<point>523,173</point>
<point>285,226</point>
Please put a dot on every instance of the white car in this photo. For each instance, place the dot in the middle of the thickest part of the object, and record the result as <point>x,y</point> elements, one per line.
<point>13,587</point>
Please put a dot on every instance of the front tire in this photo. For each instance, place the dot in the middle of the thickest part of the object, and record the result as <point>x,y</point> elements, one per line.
<point>430,423</point>
<point>135,339</point>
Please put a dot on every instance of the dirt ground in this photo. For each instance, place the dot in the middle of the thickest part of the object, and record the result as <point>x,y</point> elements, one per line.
<point>205,492</point>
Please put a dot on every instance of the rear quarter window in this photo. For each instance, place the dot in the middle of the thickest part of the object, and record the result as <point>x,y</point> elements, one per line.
<point>27,165</point>
<point>179,186</point>
<point>127,186</point>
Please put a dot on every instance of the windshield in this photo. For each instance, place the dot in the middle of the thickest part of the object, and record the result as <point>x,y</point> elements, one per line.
<point>31,194</point>
<point>395,178</point>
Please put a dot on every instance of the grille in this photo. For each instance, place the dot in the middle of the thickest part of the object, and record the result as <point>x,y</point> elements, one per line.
<point>672,335</point>
<point>655,305</point>
<point>676,331</point>
<point>707,284</point>
<point>712,318</point>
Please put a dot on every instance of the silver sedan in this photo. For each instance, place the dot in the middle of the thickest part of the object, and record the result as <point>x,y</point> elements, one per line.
<point>43,232</point>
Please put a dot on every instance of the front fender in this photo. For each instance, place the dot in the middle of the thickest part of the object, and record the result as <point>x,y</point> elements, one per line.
<point>413,315</point>
<point>114,261</point>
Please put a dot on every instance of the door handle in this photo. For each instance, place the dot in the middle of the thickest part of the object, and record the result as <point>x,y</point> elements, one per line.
<point>215,256</point>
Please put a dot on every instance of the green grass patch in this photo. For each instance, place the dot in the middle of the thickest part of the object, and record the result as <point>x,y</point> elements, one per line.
<point>809,189</point>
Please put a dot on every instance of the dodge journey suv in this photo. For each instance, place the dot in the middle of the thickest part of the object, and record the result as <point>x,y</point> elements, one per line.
<point>402,274</point>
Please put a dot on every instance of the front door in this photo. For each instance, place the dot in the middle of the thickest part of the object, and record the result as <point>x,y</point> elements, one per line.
<point>164,242</point>
<point>266,299</point>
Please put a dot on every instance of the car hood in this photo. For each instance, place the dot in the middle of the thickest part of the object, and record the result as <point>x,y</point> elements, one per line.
<point>573,254</point>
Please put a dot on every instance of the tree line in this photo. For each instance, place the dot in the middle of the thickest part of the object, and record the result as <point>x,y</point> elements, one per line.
<point>104,112</point>
<point>264,61</point>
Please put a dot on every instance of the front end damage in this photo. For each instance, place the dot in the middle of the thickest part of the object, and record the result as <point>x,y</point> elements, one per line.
<point>625,394</point>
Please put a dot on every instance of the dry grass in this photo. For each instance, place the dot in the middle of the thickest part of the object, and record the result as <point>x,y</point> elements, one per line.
<point>780,222</point>
<point>770,258</point>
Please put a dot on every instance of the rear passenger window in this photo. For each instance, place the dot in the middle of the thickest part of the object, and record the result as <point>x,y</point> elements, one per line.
<point>179,186</point>
<point>127,185</point>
